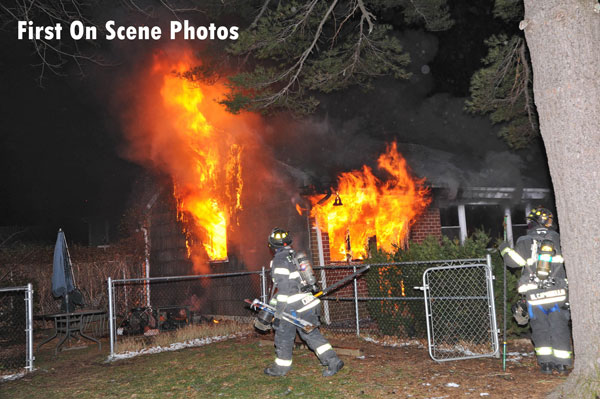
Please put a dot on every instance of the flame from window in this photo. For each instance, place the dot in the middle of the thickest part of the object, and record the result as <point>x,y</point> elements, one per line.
<point>182,131</point>
<point>371,207</point>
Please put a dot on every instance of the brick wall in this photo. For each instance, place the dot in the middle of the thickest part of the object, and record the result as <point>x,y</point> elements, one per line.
<point>429,224</point>
<point>343,312</point>
<point>314,244</point>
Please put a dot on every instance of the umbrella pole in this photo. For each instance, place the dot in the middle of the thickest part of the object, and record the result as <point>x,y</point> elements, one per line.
<point>67,307</point>
<point>70,264</point>
<point>504,305</point>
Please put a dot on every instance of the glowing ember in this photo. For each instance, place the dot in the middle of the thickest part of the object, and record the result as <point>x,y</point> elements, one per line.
<point>371,207</point>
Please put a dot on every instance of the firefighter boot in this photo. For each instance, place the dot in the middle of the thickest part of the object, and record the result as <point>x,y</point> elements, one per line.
<point>276,370</point>
<point>546,368</point>
<point>333,367</point>
<point>562,369</point>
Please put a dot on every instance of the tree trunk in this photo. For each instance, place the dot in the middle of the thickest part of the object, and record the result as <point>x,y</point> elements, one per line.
<point>564,42</point>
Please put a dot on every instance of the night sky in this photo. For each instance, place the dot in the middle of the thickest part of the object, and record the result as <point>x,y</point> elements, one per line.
<point>61,143</point>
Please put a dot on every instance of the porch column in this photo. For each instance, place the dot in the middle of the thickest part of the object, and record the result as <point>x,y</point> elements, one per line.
<point>462,222</point>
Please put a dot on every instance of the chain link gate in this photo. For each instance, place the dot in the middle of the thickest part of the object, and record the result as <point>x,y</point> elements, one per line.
<point>16,329</point>
<point>460,312</point>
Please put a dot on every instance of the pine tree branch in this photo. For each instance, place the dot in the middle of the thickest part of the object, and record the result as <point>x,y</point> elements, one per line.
<point>260,14</point>
<point>297,67</point>
<point>366,16</point>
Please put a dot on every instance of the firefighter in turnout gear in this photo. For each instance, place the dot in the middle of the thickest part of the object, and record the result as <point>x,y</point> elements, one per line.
<point>293,295</point>
<point>543,283</point>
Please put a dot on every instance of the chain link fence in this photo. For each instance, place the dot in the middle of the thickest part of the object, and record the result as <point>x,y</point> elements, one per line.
<point>385,301</point>
<point>461,311</point>
<point>16,329</point>
<point>151,305</point>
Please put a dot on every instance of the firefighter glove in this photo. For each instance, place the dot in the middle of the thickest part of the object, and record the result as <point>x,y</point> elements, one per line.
<point>310,288</point>
<point>261,326</point>
<point>520,312</point>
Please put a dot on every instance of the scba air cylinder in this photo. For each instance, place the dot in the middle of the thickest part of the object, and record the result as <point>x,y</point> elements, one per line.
<point>545,259</point>
<point>305,269</point>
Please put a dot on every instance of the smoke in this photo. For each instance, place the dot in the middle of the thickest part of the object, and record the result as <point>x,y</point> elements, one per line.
<point>439,139</point>
<point>226,179</point>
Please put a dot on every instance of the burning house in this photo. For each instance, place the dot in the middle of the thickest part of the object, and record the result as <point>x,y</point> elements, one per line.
<point>222,192</point>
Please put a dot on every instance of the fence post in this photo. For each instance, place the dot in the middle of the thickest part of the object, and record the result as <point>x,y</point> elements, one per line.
<point>492,303</point>
<point>326,316</point>
<point>111,311</point>
<point>29,327</point>
<point>356,303</point>
<point>263,286</point>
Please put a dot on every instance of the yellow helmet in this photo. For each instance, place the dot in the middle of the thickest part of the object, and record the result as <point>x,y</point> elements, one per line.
<point>541,216</point>
<point>279,238</point>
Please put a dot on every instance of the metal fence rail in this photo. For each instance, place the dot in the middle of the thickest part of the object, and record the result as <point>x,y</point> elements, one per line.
<point>459,303</point>
<point>166,303</point>
<point>384,301</point>
<point>16,329</point>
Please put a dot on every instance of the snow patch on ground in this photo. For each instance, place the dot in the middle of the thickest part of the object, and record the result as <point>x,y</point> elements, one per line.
<point>452,385</point>
<point>517,356</point>
<point>12,377</point>
<point>510,357</point>
<point>174,347</point>
<point>394,344</point>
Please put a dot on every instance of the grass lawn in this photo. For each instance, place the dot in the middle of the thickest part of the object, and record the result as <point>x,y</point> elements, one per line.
<point>234,369</point>
<point>231,369</point>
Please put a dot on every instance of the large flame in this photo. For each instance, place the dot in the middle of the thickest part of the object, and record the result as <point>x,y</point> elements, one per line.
<point>201,200</point>
<point>366,206</point>
<point>185,133</point>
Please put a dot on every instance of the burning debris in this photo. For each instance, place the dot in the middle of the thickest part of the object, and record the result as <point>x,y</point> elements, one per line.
<point>365,206</point>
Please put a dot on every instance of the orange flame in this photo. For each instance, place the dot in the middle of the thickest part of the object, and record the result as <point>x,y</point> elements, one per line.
<point>201,197</point>
<point>371,207</point>
<point>184,132</point>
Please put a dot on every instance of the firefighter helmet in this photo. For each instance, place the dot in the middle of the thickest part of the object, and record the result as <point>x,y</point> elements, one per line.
<point>279,238</point>
<point>541,216</point>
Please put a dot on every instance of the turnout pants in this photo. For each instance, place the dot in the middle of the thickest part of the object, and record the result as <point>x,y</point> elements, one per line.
<point>551,334</point>
<point>286,334</point>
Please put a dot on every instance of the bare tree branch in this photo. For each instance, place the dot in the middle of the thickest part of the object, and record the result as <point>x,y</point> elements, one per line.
<point>527,79</point>
<point>366,16</point>
<point>54,56</point>
<point>418,10</point>
<point>10,237</point>
<point>260,14</point>
<point>300,63</point>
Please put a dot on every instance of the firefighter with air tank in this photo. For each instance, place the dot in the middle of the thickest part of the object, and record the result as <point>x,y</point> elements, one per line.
<point>543,284</point>
<point>294,283</point>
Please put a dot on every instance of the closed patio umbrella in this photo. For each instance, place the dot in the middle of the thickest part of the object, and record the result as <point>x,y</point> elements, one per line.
<point>63,281</point>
